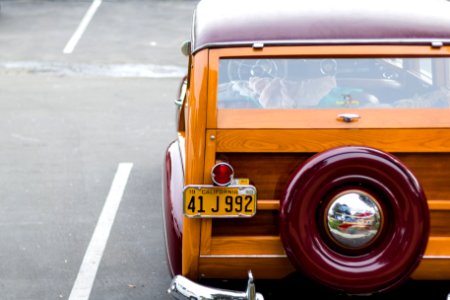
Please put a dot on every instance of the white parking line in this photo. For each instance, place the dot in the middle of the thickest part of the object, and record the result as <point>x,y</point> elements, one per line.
<point>88,269</point>
<point>92,70</point>
<point>82,27</point>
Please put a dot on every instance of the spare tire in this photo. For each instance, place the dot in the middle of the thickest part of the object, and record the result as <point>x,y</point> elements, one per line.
<point>354,219</point>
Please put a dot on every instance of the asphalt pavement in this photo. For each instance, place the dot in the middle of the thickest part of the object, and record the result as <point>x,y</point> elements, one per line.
<point>67,122</point>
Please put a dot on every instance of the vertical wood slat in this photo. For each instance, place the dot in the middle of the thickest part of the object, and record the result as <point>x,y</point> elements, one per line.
<point>210,159</point>
<point>195,151</point>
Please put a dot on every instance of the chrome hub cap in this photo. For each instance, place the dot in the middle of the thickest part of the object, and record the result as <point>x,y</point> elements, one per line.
<point>353,219</point>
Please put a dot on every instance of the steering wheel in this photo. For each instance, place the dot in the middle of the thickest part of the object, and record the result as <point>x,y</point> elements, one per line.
<point>243,69</point>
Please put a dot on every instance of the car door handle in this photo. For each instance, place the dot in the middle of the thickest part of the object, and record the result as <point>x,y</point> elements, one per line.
<point>348,117</point>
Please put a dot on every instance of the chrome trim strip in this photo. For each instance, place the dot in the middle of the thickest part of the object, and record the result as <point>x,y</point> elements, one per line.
<point>431,42</point>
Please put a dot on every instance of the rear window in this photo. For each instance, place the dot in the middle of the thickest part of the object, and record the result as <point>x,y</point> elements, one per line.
<point>312,83</point>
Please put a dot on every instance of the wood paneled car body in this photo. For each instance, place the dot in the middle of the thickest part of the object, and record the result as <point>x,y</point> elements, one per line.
<point>313,137</point>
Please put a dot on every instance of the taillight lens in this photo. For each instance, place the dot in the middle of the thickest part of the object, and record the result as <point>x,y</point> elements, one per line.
<point>222,174</point>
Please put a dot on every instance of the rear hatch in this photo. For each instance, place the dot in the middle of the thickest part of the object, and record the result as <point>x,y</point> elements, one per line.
<point>271,110</point>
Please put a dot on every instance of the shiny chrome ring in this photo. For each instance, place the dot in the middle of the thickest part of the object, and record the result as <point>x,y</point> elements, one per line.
<point>353,219</point>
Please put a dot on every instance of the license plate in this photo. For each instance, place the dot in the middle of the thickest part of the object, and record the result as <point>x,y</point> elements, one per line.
<point>207,201</point>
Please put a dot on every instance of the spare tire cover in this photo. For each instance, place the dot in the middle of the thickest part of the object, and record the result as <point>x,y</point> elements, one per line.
<point>397,249</point>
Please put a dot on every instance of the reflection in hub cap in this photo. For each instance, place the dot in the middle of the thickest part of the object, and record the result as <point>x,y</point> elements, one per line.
<point>353,219</point>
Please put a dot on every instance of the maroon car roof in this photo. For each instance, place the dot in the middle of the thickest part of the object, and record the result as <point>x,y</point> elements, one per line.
<point>245,22</point>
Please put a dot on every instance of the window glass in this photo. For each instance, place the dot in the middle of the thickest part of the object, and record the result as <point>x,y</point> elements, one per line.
<point>425,66</point>
<point>447,68</point>
<point>333,83</point>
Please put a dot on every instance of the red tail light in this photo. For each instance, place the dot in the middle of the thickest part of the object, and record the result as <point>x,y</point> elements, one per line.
<point>222,174</point>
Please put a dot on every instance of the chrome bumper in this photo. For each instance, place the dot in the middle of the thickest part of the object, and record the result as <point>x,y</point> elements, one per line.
<point>184,289</point>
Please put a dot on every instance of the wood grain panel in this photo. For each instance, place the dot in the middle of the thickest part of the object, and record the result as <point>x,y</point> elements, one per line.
<point>216,266</point>
<point>436,262</point>
<point>334,50</point>
<point>268,205</point>
<point>432,269</point>
<point>264,223</point>
<point>270,119</point>
<point>438,246</point>
<point>270,172</point>
<point>206,227</point>
<point>247,245</point>
<point>439,205</point>
<point>436,205</point>
<point>195,153</point>
<point>433,172</point>
<point>440,223</point>
<point>389,140</point>
<point>327,118</point>
<point>262,268</point>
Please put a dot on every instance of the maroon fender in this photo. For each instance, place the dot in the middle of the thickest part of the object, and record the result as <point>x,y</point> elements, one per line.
<point>395,251</point>
<point>173,181</point>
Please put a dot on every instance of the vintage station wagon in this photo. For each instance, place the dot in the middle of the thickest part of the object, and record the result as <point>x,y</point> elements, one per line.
<point>313,137</point>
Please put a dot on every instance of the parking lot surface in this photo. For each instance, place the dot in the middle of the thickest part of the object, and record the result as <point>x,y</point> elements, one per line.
<point>68,121</point>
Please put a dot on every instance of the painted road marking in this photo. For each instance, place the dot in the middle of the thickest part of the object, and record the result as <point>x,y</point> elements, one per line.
<point>82,287</point>
<point>93,70</point>
<point>71,44</point>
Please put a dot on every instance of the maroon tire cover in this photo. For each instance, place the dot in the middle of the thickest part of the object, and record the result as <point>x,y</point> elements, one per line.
<point>399,247</point>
